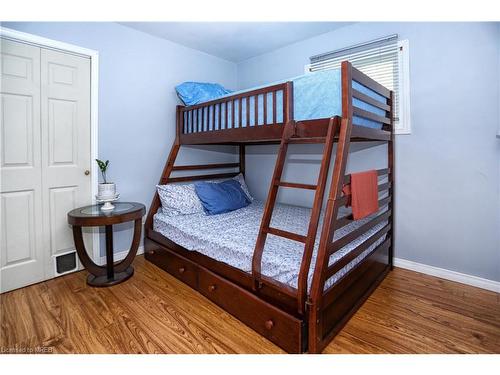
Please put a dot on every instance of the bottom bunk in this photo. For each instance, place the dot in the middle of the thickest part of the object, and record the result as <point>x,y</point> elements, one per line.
<point>213,254</point>
<point>230,238</point>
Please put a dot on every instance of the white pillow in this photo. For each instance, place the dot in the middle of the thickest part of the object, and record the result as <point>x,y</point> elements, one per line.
<point>179,199</point>
<point>183,200</point>
<point>244,186</point>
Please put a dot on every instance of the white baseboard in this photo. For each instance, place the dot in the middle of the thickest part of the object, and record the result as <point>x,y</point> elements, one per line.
<point>120,255</point>
<point>448,275</point>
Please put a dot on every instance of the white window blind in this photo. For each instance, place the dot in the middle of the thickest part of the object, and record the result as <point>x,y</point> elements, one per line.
<point>378,59</point>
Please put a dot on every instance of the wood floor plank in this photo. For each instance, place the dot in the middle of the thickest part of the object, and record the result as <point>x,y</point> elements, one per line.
<point>155,313</point>
<point>466,300</point>
<point>476,333</point>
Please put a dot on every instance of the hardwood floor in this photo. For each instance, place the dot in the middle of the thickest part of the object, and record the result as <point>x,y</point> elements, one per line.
<point>154,313</point>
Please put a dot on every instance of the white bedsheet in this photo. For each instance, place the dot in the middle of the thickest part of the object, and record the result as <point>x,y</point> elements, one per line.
<point>230,238</point>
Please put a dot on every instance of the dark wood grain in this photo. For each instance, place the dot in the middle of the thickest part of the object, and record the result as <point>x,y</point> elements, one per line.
<point>233,119</point>
<point>256,109</point>
<point>235,135</point>
<point>380,172</point>
<point>344,220</point>
<point>240,113</point>
<point>264,104</point>
<point>167,170</point>
<point>368,99</point>
<point>247,107</point>
<point>308,131</point>
<point>269,205</point>
<point>312,230</point>
<point>112,273</point>
<point>333,269</point>
<point>204,166</point>
<point>242,159</point>
<point>76,217</point>
<point>285,234</point>
<point>202,177</point>
<point>351,236</point>
<point>370,115</point>
<point>274,107</point>
<point>317,336</point>
<point>391,165</point>
<point>201,127</point>
<point>226,116</point>
<point>297,185</point>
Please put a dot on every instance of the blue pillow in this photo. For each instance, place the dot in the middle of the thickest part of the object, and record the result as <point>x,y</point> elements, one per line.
<point>198,92</point>
<point>218,198</point>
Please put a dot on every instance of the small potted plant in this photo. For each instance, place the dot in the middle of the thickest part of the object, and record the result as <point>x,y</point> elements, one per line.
<point>106,190</point>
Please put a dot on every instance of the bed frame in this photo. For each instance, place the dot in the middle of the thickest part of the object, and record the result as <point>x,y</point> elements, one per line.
<point>295,320</point>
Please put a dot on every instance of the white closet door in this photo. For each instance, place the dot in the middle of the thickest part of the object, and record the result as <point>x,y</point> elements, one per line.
<point>44,158</point>
<point>65,123</point>
<point>22,251</point>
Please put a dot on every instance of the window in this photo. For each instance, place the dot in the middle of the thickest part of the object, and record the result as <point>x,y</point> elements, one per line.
<point>386,61</point>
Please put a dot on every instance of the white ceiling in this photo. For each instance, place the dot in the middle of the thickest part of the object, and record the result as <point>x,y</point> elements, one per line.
<point>235,41</point>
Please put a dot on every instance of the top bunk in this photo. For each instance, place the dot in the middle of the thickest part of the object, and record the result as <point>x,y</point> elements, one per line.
<point>258,115</point>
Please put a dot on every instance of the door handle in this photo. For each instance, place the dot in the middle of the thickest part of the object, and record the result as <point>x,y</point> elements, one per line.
<point>87,172</point>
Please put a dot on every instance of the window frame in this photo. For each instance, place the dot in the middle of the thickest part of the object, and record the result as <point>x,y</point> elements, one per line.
<point>404,124</point>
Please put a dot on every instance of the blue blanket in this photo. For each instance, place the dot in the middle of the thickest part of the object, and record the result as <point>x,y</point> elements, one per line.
<point>315,95</point>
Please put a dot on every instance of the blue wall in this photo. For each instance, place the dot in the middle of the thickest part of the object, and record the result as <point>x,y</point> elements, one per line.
<point>137,75</point>
<point>447,196</point>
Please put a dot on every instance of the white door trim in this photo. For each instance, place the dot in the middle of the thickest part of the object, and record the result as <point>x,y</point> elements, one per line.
<point>94,95</point>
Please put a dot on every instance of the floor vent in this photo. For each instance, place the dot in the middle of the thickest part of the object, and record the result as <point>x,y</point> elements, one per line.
<point>66,263</point>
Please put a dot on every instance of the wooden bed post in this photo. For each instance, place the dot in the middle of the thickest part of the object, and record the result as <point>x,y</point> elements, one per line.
<point>333,129</point>
<point>268,208</point>
<point>288,132</point>
<point>242,159</point>
<point>328,229</point>
<point>390,162</point>
<point>288,102</point>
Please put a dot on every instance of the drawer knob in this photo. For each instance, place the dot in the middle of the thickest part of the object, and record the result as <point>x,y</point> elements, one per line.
<point>151,252</point>
<point>269,324</point>
<point>181,270</point>
<point>212,288</point>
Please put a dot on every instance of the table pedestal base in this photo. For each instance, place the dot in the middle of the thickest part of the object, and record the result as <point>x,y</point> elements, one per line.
<point>105,281</point>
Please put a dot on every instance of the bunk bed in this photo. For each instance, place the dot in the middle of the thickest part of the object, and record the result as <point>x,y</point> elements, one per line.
<point>296,275</point>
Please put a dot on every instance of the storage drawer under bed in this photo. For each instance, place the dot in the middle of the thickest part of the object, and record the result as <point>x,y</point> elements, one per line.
<point>276,325</point>
<point>179,267</point>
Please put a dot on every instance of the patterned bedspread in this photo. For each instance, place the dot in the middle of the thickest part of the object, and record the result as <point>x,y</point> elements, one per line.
<point>230,238</point>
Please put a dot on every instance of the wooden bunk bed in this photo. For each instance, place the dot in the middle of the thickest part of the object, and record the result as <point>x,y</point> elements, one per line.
<point>306,318</point>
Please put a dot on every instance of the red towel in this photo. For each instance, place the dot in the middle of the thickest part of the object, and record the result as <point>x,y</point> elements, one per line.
<point>364,193</point>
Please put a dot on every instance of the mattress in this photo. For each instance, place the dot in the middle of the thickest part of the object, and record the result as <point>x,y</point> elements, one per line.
<point>315,95</point>
<point>230,238</point>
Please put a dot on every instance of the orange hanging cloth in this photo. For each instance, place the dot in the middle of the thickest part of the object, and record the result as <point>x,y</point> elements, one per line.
<point>364,193</point>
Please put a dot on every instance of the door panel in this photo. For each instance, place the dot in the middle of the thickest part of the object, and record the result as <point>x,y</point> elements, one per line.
<point>65,120</point>
<point>17,130</point>
<point>22,252</point>
<point>18,229</point>
<point>63,131</point>
<point>45,151</point>
<point>62,200</point>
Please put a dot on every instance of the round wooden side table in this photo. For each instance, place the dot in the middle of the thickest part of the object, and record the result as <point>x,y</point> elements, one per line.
<point>93,216</point>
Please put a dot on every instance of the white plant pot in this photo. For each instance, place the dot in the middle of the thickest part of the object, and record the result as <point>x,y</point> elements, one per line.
<point>107,190</point>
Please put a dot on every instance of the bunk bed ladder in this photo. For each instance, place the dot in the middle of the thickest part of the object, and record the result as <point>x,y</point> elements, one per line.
<point>309,239</point>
